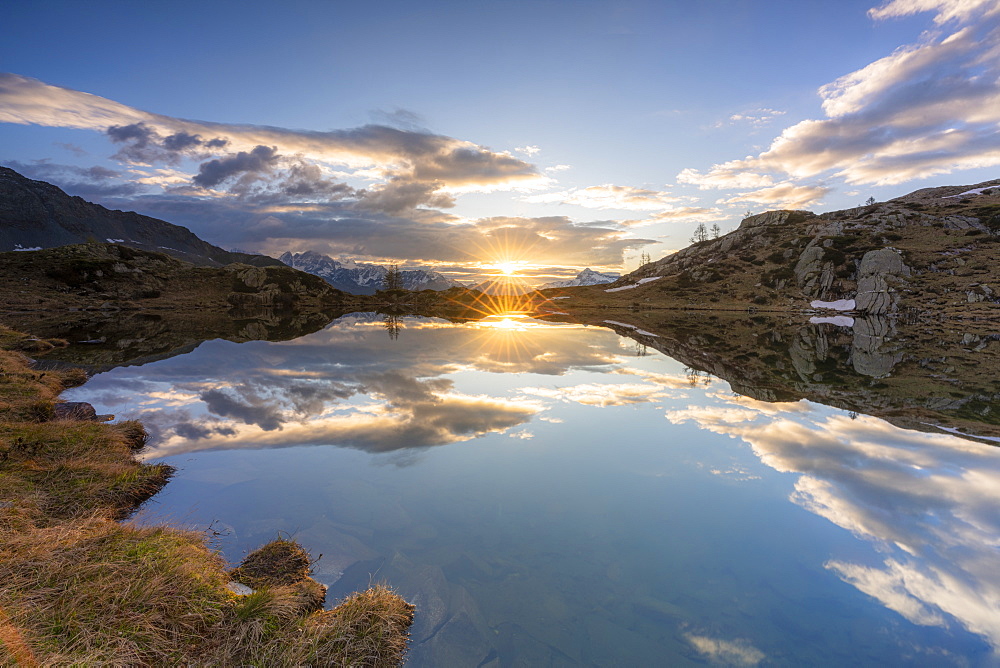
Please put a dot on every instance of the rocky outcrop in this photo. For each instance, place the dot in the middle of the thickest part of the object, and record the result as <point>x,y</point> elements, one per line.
<point>879,275</point>
<point>813,274</point>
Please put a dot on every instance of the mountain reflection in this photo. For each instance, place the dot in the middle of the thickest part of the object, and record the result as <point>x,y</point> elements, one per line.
<point>927,501</point>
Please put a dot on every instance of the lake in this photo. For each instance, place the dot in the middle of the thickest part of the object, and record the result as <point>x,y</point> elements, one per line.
<point>561,494</point>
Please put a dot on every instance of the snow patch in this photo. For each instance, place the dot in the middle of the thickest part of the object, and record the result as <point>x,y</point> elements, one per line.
<point>838,320</point>
<point>116,241</point>
<point>974,191</point>
<point>563,297</point>
<point>839,305</point>
<point>629,287</point>
<point>18,247</point>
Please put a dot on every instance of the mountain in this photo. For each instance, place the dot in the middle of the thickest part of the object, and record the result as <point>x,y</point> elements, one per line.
<point>115,277</point>
<point>363,279</point>
<point>931,251</point>
<point>586,277</point>
<point>36,214</point>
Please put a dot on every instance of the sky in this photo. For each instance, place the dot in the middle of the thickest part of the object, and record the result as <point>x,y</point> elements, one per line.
<point>543,136</point>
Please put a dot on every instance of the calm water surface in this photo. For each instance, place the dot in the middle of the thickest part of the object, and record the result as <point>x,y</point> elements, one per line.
<point>551,495</point>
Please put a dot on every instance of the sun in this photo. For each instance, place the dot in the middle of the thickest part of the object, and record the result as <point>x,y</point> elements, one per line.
<point>508,268</point>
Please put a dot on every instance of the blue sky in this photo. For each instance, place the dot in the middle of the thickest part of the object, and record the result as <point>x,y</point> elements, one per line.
<point>456,135</point>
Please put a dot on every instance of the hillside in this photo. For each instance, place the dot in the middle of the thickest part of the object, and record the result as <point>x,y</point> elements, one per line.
<point>110,276</point>
<point>36,214</point>
<point>930,250</point>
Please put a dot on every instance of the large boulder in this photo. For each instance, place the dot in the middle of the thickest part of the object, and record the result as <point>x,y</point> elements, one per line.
<point>879,274</point>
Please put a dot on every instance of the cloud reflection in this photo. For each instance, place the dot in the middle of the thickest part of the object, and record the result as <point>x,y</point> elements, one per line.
<point>927,501</point>
<point>345,387</point>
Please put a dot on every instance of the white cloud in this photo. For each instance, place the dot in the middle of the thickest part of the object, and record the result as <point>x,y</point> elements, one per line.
<point>609,196</point>
<point>931,107</point>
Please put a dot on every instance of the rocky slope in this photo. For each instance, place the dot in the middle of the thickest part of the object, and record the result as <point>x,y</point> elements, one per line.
<point>36,214</point>
<point>586,277</point>
<point>362,279</point>
<point>933,249</point>
<point>116,277</point>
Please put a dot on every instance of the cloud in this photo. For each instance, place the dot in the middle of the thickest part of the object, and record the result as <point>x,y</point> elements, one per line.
<point>609,196</point>
<point>783,195</point>
<point>946,10</point>
<point>931,107</point>
<point>756,117</point>
<point>260,159</point>
<point>95,181</point>
<point>687,214</point>
<point>528,150</point>
<point>398,153</point>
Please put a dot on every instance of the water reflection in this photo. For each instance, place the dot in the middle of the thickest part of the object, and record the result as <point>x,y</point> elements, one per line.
<point>584,528</point>
<point>927,501</point>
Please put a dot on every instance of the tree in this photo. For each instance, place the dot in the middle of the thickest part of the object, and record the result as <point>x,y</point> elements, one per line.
<point>700,234</point>
<point>644,259</point>
<point>393,279</point>
<point>716,231</point>
<point>869,201</point>
<point>748,213</point>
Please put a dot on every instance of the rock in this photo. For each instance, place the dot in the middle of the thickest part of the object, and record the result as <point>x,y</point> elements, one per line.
<point>880,270</point>
<point>812,274</point>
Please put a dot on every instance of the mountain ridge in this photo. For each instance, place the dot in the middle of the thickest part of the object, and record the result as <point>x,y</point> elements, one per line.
<point>38,214</point>
<point>929,250</point>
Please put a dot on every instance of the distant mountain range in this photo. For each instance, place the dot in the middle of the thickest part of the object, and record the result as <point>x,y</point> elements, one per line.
<point>36,215</point>
<point>363,279</point>
<point>586,277</point>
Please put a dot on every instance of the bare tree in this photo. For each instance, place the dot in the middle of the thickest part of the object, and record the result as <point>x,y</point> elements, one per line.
<point>700,234</point>
<point>644,259</point>
<point>748,213</point>
<point>716,231</point>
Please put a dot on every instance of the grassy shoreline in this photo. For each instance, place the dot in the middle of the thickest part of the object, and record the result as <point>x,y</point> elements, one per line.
<point>78,586</point>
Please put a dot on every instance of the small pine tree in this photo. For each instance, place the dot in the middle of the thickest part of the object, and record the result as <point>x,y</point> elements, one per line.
<point>700,233</point>
<point>869,201</point>
<point>716,231</point>
<point>393,279</point>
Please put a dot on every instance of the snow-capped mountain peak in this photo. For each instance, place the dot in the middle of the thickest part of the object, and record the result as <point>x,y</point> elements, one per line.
<point>586,277</point>
<point>359,278</point>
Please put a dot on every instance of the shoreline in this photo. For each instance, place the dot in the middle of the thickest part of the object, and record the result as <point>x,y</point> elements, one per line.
<point>79,586</point>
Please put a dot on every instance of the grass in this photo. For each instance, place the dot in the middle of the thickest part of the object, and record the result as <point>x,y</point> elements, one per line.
<point>78,587</point>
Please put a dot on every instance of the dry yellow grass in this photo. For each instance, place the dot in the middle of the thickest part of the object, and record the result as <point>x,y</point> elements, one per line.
<point>77,587</point>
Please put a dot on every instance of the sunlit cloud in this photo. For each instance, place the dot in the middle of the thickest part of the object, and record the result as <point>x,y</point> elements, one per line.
<point>609,196</point>
<point>253,153</point>
<point>783,195</point>
<point>931,107</point>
